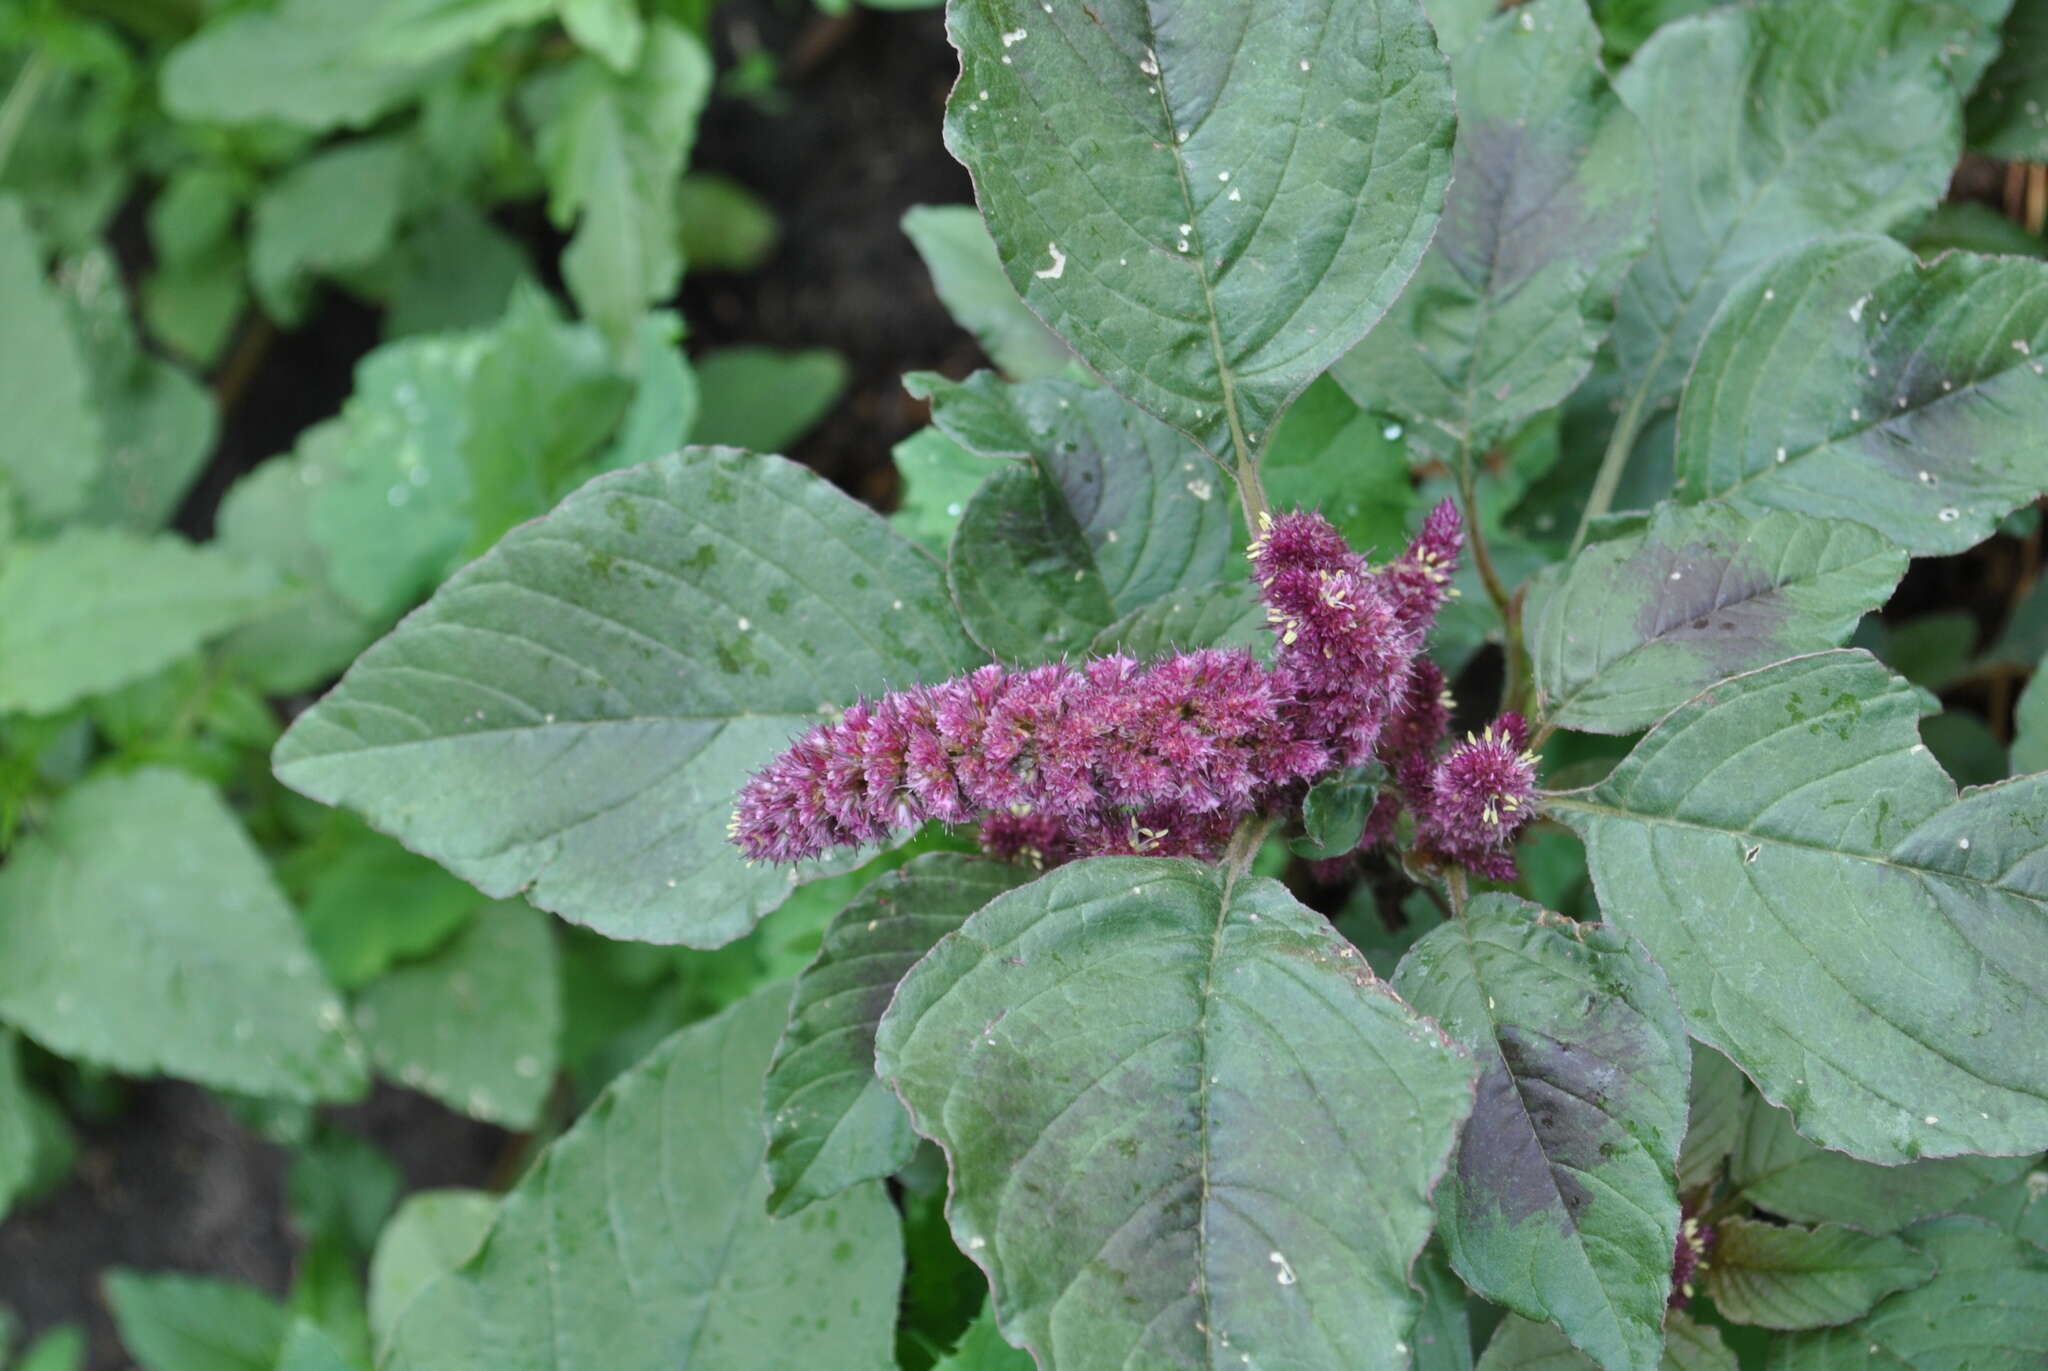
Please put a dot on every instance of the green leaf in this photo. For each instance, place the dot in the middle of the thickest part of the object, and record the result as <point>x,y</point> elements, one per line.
<point>610,28</point>
<point>726,227</point>
<point>660,1192</point>
<point>1778,1277</point>
<point>313,632</point>
<point>300,63</point>
<point>544,396</point>
<point>1982,1311</point>
<point>421,30</point>
<point>982,1348</point>
<point>1779,1171</point>
<point>831,1123</point>
<point>2006,116</point>
<point>60,1349</point>
<point>1849,381</point>
<point>194,1323</point>
<point>433,1233</point>
<point>1458,22</point>
<point>1626,24</point>
<point>308,1347</point>
<point>50,451</point>
<point>1154,512</point>
<point>1334,811</point>
<point>475,1024</point>
<point>1633,627</point>
<point>1772,124</point>
<point>339,1191</point>
<point>1522,1345</point>
<point>1806,873</point>
<point>969,279</point>
<point>665,398</point>
<point>2030,726</point>
<point>28,1124</point>
<point>1114,1057</point>
<point>1129,169</point>
<point>613,150</point>
<point>1443,1330</point>
<point>1226,614</point>
<point>452,269</point>
<point>335,212</point>
<point>1562,1203</point>
<point>1973,227</point>
<point>610,673</point>
<point>367,902</point>
<point>1549,204</point>
<point>158,425</point>
<point>192,307</point>
<point>1717,1106</point>
<point>939,477</point>
<point>139,930</point>
<point>2018,1207</point>
<point>390,501</point>
<point>764,399</point>
<point>151,601</point>
<point>1330,455</point>
<point>1021,573</point>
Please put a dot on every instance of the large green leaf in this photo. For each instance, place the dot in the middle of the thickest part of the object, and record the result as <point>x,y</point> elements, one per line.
<point>1521,1344</point>
<point>1851,381</point>
<point>1806,874</point>
<point>609,674</point>
<point>1779,1171</point>
<point>475,1025</point>
<point>764,398</point>
<point>1772,124</point>
<point>1185,1124</point>
<point>613,149</point>
<point>140,930</point>
<point>642,1239</point>
<point>1779,1277</point>
<point>1021,571</point>
<point>1562,1204</point>
<point>1209,203</point>
<point>301,62</point>
<point>1633,627</point>
<point>969,279</point>
<point>1981,1312</point>
<point>93,609</point>
<point>51,450</point>
<point>1549,203</point>
<point>831,1122</point>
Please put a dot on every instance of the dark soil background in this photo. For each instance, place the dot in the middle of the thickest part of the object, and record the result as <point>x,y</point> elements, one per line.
<point>172,1181</point>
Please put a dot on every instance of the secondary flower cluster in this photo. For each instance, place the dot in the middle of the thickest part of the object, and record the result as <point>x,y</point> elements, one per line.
<point>1116,756</point>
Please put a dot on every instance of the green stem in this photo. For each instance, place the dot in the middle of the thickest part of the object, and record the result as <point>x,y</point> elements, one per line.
<point>1620,443</point>
<point>1244,847</point>
<point>1454,880</point>
<point>1504,600</point>
<point>21,97</point>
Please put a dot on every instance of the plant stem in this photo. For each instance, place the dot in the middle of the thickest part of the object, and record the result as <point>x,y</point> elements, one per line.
<point>21,97</point>
<point>1244,847</point>
<point>1504,600</point>
<point>1454,880</point>
<point>1627,428</point>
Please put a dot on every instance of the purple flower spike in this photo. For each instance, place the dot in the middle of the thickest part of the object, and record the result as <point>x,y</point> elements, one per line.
<point>1688,1257</point>
<point>1479,796</point>
<point>1419,580</point>
<point>1163,758</point>
<point>1345,647</point>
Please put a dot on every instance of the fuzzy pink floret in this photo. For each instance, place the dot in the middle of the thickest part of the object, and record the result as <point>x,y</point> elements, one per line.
<point>1478,797</point>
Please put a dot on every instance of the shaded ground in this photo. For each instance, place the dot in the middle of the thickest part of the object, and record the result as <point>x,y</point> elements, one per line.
<point>173,1181</point>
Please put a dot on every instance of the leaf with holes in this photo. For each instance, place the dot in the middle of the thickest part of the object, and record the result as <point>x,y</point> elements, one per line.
<point>1549,204</point>
<point>1124,1061</point>
<point>831,1123</point>
<point>1772,124</point>
<point>1775,1169</point>
<point>1850,381</point>
<point>1777,1277</point>
<point>1982,1311</point>
<point>659,1193</point>
<point>1804,871</point>
<point>1562,1203</point>
<point>1633,627</point>
<point>611,672</point>
<point>1212,203</point>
